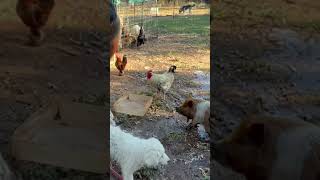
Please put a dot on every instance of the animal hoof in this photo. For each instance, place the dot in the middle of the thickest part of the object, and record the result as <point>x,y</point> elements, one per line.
<point>120,74</point>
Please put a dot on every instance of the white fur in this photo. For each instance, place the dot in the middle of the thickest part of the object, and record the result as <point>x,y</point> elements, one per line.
<point>133,153</point>
<point>135,30</point>
<point>202,107</point>
<point>111,119</point>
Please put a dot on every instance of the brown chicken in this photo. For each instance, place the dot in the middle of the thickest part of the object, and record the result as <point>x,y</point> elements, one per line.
<point>121,64</point>
<point>35,14</point>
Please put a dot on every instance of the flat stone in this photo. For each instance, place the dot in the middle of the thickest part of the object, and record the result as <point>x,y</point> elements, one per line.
<point>133,104</point>
<point>76,138</point>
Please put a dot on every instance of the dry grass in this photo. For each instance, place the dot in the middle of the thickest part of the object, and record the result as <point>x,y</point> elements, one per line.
<point>160,54</point>
<point>163,11</point>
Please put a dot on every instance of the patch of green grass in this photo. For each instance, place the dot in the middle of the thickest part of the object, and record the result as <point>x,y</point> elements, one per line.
<point>159,103</point>
<point>191,84</point>
<point>193,25</point>
<point>7,10</point>
<point>146,172</point>
<point>175,136</point>
<point>267,13</point>
<point>311,25</point>
<point>147,93</point>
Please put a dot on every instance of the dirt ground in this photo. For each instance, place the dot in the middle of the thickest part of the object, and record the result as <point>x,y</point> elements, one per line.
<point>189,156</point>
<point>69,63</point>
<point>266,58</point>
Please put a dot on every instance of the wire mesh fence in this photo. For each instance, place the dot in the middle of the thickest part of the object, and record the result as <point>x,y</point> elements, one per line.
<point>157,19</point>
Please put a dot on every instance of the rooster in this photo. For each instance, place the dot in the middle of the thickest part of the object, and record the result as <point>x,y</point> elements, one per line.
<point>162,81</point>
<point>35,14</point>
<point>121,64</point>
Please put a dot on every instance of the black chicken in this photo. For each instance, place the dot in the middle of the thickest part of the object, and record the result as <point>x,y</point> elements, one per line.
<point>141,37</point>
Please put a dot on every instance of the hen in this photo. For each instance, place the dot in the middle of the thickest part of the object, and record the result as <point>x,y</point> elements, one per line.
<point>130,35</point>
<point>121,64</point>
<point>35,14</point>
<point>163,81</point>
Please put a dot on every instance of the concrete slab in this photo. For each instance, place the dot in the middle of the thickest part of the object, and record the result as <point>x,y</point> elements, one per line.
<point>65,134</point>
<point>133,104</point>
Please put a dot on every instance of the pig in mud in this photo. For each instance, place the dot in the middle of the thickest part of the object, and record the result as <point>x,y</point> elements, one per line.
<point>269,148</point>
<point>198,111</point>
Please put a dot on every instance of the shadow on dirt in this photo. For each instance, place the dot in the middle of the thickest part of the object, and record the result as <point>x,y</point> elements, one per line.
<point>69,63</point>
<point>263,70</point>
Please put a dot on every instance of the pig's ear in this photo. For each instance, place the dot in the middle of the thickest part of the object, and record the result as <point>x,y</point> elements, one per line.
<point>190,103</point>
<point>256,133</point>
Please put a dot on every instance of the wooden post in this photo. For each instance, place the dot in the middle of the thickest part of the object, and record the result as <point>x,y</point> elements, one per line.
<point>142,18</point>
<point>174,3</point>
<point>157,8</point>
<point>134,12</point>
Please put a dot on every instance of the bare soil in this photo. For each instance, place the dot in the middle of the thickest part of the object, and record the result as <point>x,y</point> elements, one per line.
<point>189,156</point>
<point>69,63</point>
<point>265,60</point>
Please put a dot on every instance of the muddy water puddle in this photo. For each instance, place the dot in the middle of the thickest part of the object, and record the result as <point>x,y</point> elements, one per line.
<point>202,81</point>
<point>202,91</point>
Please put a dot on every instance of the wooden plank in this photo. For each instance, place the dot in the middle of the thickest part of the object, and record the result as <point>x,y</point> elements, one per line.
<point>133,104</point>
<point>77,140</point>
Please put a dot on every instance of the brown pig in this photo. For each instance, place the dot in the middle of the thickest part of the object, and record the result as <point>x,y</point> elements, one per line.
<point>272,148</point>
<point>196,110</point>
